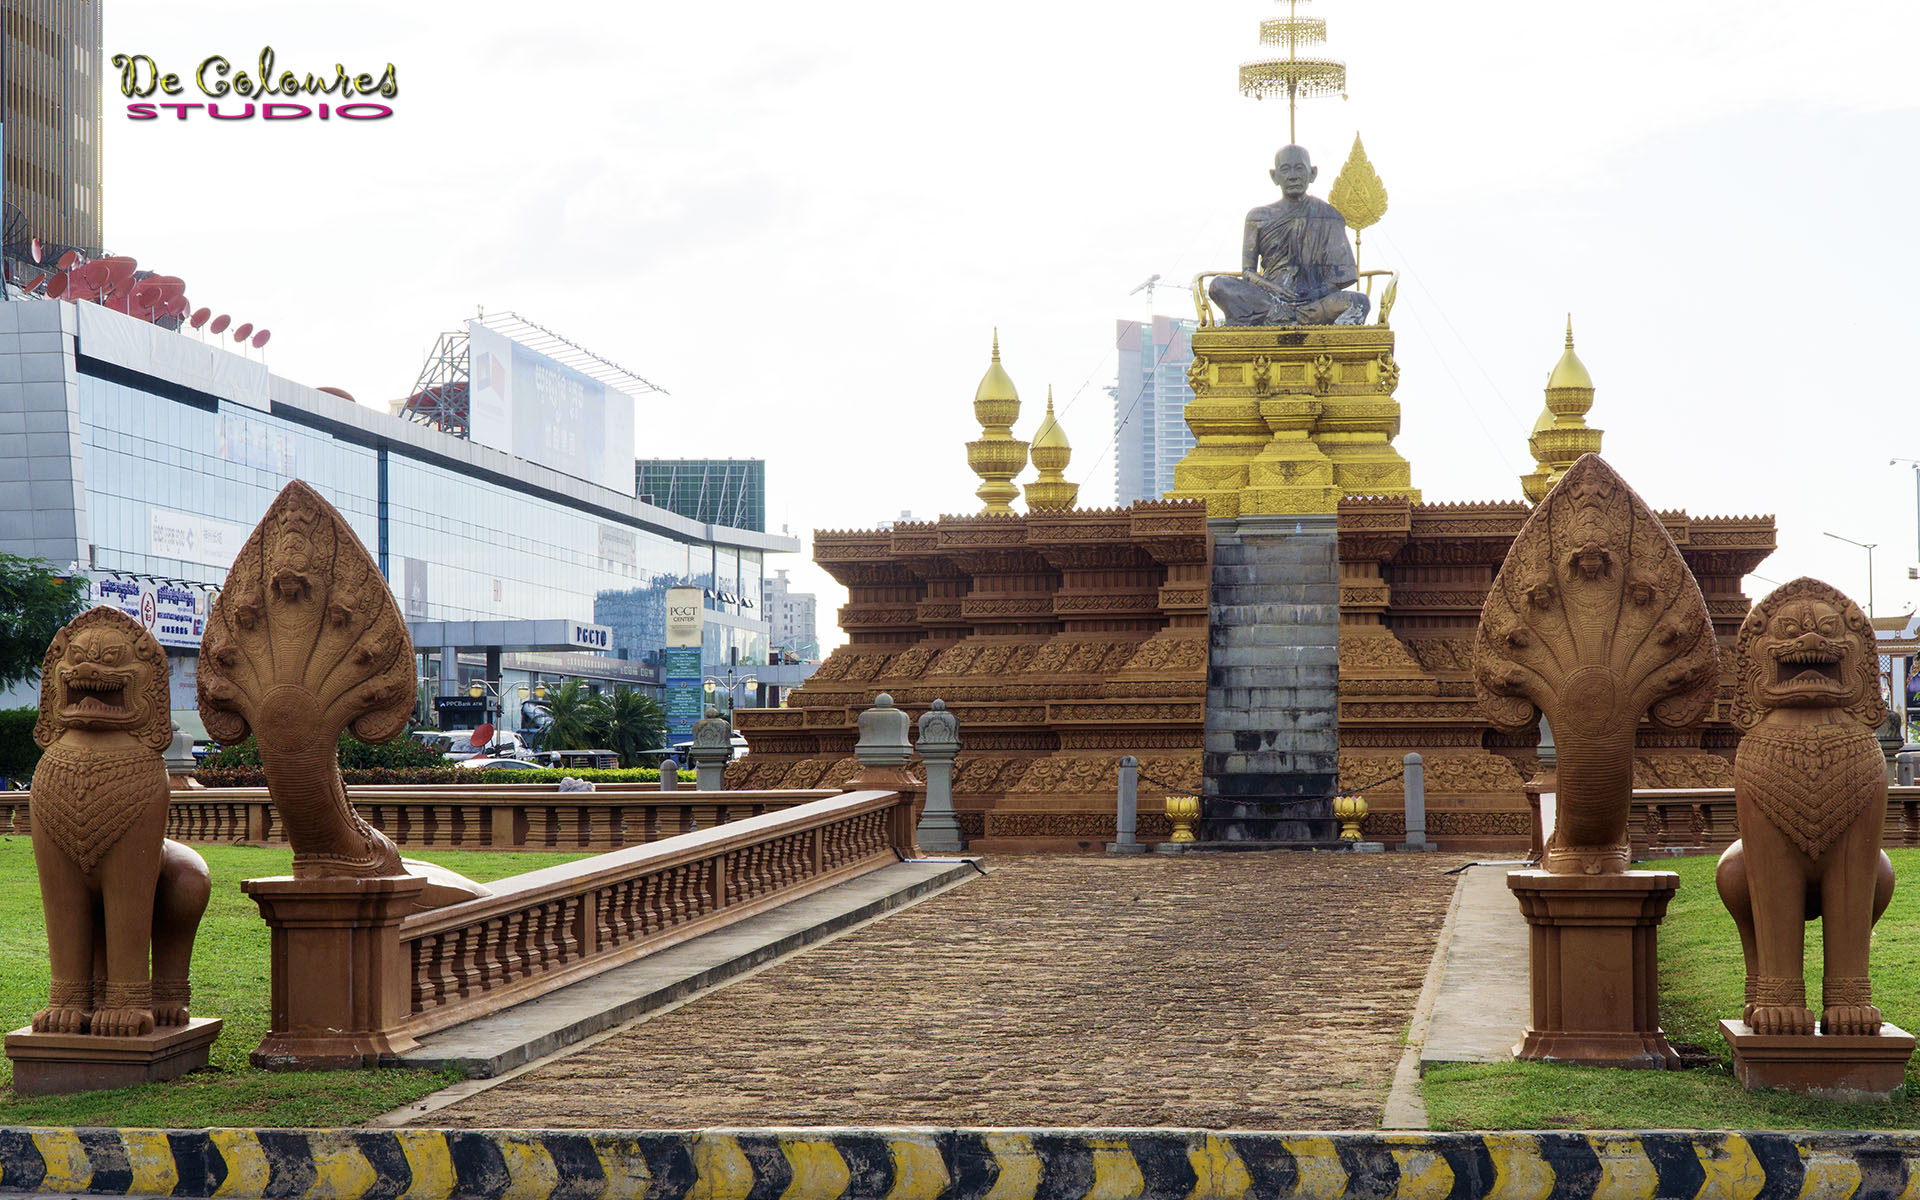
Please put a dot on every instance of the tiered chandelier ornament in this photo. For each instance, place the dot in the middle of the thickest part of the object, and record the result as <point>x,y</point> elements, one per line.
<point>1293,77</point>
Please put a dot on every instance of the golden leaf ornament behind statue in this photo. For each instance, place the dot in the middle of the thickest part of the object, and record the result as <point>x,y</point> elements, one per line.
<point>1595,620</point>
<point>1358,192</point>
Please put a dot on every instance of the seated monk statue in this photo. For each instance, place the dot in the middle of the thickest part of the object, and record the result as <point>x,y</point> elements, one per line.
<point>1294,258</point>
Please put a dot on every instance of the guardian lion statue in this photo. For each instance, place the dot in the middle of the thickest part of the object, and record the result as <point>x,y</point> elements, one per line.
<point>1810,784</point>
<point>112,884</point>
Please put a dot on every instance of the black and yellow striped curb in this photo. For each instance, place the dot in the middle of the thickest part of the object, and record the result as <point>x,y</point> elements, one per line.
<point>952,1164</point>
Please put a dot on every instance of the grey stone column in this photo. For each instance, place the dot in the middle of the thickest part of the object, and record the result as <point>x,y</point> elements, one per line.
<point>1906,765</point>
<point>1126,818</point>
<point>1272,753</point>
<point>669,774</point>
<point>712,750</point>
<point>939,743</point>
<point>1415,780</point>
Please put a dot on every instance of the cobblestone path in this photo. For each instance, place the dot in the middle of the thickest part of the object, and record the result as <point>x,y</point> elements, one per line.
<point>1256,991</point>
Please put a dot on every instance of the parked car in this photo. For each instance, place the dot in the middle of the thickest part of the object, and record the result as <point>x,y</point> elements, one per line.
<point>681,749</point>
<point>505,744</point>
<point>577,759</point>
<point>491,763</point>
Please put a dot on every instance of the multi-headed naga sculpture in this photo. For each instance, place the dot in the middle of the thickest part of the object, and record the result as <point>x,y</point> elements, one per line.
<point>1595,620</point>
<point>306,641</point>
<point>1811,788</point>
<point>111,884</point>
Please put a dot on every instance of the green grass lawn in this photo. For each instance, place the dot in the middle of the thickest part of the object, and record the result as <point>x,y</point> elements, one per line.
<point>1700,983</point>
<point>229,982</point>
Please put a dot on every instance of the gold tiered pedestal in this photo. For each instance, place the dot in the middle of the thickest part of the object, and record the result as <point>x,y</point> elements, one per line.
<point>1289,419</point>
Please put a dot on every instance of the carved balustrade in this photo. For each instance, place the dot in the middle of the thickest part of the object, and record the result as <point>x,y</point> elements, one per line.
<point>492,816</point>
<point>545,929</point>
<point>1673,821</point>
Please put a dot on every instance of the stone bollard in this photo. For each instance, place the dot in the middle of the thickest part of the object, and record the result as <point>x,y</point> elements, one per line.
<point>1127,818</point>
<point>1907,765</point>
<point>712,751</point>
<point>883,751</point>
<point>669,774</point>
<point>939,828</point>
<point>1415,786</point>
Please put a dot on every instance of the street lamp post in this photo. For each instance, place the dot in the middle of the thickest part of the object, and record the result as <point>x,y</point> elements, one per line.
<point>1915,464</point>
<point>498,689</point>
<point>1868,547</point>
<point>713,685</point>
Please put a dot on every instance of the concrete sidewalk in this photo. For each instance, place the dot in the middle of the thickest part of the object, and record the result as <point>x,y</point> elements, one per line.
<point>1480,1009</point>
<point>1474,1004</point>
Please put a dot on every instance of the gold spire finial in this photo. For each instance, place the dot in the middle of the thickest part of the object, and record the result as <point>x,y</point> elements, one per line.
<point>996,338</point>
<point>1051,453</point>
<point>996,457</point>
<point>1562,434</point>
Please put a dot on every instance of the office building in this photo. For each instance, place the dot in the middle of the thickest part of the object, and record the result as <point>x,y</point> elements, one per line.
<point>790,618</point>
<point>723,491</point>
<point>146,456</point>
<point>54,81</point>
<point>1150,406</point>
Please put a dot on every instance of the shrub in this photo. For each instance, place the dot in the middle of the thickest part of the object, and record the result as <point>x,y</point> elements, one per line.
<point>251,776</point>
<point>18,754</point>
<point>355,755</point>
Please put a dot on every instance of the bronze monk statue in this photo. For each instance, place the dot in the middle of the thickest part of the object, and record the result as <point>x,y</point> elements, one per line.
<point>1294,258</point>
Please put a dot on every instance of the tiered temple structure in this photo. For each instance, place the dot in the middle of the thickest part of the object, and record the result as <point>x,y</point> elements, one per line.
<point>1064,638</point>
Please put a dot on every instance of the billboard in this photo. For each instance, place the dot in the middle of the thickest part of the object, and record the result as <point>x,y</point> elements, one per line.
<point>174,615</point>
<point>685,609</point>
<point>534,408</point>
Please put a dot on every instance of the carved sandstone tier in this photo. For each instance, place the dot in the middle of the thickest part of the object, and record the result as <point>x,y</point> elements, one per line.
<point>1289,420</point>
<point>1413,574</point>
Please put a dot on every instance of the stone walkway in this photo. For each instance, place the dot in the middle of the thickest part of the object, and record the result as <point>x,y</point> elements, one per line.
<point>1253,991</point>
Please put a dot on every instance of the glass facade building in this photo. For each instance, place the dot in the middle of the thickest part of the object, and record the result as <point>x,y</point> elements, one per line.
<point>162,475</point>
<point>1150,406</point>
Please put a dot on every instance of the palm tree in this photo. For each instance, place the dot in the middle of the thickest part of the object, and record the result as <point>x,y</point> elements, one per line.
<point>570,710</point>
<point>628,723</point>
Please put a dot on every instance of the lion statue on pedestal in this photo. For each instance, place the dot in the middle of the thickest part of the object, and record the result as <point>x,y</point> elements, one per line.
<point>112,885</point>
<point>1810,784</point>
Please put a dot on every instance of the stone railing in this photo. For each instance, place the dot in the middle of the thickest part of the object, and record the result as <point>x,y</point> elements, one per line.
<point>425,971</point>
<point>491,816</point>
<point>1703,820</point>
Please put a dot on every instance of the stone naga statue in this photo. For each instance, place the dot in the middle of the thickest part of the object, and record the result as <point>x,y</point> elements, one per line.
<point>1810,785</point>
<point>1595,620</point>
<point>112,885</point>
<point>305,641</point>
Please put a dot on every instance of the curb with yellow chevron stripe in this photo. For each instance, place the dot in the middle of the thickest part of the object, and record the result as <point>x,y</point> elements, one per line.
<point>952,1164</point>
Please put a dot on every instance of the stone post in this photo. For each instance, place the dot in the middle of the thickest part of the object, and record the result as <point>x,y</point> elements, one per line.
<point>1415,786</point>
<point>884,752</point>
<point>939,828</point>
<point>342,986</point>
<point>669,774</point>
<point>712,750</point>
<point>1907,765</point>
<point>1126,819</point>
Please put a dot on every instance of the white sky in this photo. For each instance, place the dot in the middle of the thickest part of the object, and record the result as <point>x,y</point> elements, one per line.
<point>804,220</point>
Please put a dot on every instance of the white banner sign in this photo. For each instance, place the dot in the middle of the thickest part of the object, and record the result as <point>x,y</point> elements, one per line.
<point>175,615</point>
<point>686,607</point>
<point>589,637</point>
<point>193,539</point>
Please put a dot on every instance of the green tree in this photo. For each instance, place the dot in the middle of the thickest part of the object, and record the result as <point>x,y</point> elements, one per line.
<point>34,603</point>
<point>570,707</point>
<point>627,723</point>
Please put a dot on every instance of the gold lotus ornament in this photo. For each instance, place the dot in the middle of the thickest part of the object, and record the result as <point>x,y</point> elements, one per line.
<point>1183,811</point>
<point>1350,810</point>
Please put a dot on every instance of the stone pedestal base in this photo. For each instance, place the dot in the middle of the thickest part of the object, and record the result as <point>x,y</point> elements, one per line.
<point>1592,944</point>
<point>46,1064</point>
<point>341,982</point>
<point>1832,1068</point>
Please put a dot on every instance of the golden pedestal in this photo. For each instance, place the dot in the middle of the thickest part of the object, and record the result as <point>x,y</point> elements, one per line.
<point>1289,419</point>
